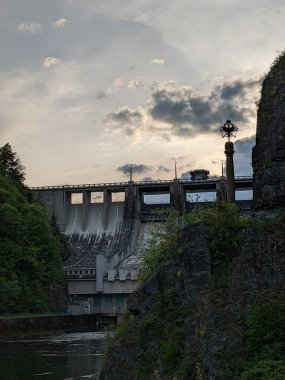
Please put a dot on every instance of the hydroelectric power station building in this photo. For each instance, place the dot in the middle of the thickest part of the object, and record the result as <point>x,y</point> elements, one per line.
<point>107,226</point>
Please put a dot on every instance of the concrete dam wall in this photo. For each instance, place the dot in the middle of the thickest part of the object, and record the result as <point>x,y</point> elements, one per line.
<point>107,227</point>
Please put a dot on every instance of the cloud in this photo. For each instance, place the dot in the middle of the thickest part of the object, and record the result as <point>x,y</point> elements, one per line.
<point>238,87</point>
<point>244,146</point>
<point>112,89</point>
<point>243,152</point>
<point>158,61</point>
<point>135,83</point>
<point>51,61</point>
<point>125,119</point>
<point>147,179</point>
<point>118,83</point>
<point>136,168</point>
<point>189,113</point>
<point>163,169</point>
<point>101,95</point>
<point>29,27</point>
<point>60,22</point>
<point>180,111</point>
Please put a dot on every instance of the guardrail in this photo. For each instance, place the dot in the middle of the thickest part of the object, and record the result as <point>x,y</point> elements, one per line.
<point>123,184</point>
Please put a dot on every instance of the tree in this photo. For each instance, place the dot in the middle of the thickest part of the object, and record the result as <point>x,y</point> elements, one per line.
<point>10,164</point>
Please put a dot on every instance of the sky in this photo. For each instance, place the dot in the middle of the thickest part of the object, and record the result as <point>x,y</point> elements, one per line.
<point>89,87</point>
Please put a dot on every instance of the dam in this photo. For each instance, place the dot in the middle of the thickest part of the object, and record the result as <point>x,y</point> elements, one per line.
<point>108,226</point>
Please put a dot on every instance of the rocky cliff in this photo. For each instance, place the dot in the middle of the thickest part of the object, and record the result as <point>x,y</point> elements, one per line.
<point>269,152</point>
<point>204,318</point>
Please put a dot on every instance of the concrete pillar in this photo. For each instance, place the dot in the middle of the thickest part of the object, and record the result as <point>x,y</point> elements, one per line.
<point>85,209</point>
<point>221,194</point>
<point>177,196</point>
<point>67,203</point>
<point>101,270</point>
<point>130,210</point>
<point>230,174</point>
<point>106,204</point>
<point>57,202</point>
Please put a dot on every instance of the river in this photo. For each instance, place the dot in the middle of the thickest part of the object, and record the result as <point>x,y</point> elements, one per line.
<point>56,357</point>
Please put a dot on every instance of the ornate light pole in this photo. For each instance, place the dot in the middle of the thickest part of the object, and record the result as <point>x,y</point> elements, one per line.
<point>229,130</point>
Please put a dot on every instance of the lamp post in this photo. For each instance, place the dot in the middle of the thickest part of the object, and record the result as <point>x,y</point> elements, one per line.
<point>229,130</point>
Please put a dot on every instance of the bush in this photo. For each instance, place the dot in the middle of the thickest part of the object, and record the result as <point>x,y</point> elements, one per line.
<point>163,242</point>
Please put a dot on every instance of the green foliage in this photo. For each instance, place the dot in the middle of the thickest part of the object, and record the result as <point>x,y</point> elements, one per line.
<point>265,370</point>
<point>262,354</point>
<point>162,333</point>
<point>114,334</point>
<point>265,333</point>
<point>223,227</point>
<point>10,164</point>
<point>163,242</point>
<point>29,252</point>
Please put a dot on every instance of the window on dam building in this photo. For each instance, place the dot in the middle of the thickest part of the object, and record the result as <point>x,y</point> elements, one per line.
<point>97,197</point>
<point>244,195</point>
<point>76,198</point>
<point>156,199</point>
<point>118,196</point>
<point>206,196</point>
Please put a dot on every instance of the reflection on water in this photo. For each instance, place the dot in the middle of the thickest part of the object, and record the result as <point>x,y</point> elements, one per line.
<point>57,357</point>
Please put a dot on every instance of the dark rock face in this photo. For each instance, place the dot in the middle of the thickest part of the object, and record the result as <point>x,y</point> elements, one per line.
<point>269,152</point>
<point>215,323</point>
<point>256,275</point>
<point>195,269</point>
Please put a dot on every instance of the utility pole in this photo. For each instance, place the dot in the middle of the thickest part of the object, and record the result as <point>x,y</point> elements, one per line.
<point>229,130</point>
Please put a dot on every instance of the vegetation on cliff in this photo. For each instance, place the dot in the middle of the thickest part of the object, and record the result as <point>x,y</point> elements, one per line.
<point>261,355</point>
<point>172,336</point>
<point>30,260</point>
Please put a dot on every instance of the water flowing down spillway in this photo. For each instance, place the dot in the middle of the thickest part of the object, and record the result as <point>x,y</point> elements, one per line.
<point>93,232</point>
<point>96,232</point>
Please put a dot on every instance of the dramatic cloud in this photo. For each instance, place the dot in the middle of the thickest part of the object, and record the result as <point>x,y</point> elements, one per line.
<point>125,119</point>
<point>147,179</point>
<point>50,62</point>
<point>136,168</point>
<point>163,169</point>
<point>243,152</point>
<point>29,27</point>
<point>158,61</point>
<point>244,146</point>
<point>238,87</point>
<point>191,114</point>
<point>60,23</point>
<point>135,83</point>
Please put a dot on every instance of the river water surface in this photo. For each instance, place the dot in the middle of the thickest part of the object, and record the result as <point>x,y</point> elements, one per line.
<point>57,357</point>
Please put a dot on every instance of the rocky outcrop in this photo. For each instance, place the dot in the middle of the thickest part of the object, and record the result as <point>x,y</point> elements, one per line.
<point>255,276</point>
<point>185,275</point>
<point>214,322</point>
<point>269,152</point>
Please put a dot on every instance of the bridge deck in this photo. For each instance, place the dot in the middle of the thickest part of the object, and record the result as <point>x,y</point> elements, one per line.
<point>145,184</point>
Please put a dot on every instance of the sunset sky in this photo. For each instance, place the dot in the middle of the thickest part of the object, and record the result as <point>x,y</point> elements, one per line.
<point>89,87</point>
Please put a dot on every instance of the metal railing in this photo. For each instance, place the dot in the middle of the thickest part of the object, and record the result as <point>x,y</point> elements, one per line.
<point>124,184</point>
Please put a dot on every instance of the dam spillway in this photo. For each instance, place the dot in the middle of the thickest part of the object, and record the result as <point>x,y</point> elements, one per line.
<point>107,236</point>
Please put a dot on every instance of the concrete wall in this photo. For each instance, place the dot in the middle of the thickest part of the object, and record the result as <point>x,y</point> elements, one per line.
<point>89,287</point>
<point>57,202</point>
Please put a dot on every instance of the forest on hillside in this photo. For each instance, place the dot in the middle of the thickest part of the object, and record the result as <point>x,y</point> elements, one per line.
<point>30,261</point>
